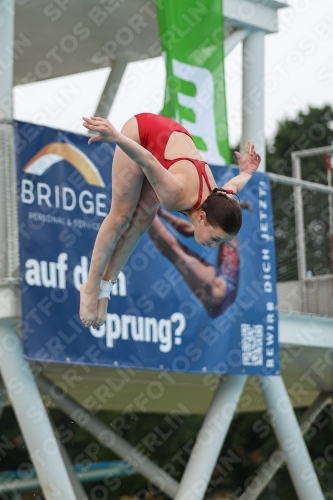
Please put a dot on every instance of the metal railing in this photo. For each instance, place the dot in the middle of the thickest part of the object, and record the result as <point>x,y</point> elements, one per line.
<point>303,226</point>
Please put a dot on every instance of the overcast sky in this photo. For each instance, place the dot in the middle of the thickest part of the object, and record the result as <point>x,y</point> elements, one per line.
<point>299,73</point>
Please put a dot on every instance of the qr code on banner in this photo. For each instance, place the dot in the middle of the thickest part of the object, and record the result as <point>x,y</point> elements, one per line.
<point>252,344</point>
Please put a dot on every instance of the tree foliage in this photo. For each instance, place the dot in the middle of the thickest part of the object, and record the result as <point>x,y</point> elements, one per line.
<point>312,129</point>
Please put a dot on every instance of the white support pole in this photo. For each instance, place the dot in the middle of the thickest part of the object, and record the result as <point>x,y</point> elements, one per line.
<point>3,396</point>
<point>7,171</point>
<point>253,103</point>
<point>79,491</point>
<point>234,39</point>
<point>108,438</point>
<point>277,459</point>
<point>9,268</point>
<point>210,439</point>
<point>7,53</point>
<point>32,417</point>
<point>290,439</point>
<point>113,83</point>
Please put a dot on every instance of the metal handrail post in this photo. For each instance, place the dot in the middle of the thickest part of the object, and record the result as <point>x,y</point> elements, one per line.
<point>299,226</point>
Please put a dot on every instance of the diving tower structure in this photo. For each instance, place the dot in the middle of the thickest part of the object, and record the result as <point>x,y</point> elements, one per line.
<point>76,38</point>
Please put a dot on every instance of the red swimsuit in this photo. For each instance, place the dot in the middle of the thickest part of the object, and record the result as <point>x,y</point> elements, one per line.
<point>154,132</point>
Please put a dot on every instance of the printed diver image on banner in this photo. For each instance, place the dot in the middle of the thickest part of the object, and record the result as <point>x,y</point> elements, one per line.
<point>176,305</point>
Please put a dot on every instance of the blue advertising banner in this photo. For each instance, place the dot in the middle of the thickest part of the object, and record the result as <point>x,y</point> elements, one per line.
<point>176,306</point>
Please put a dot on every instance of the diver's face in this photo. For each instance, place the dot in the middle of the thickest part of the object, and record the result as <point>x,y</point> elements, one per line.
<point>209,236</point>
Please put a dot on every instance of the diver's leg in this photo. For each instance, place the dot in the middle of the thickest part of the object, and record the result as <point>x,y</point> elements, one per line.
<point>142,218</point>
<point>127,180</point>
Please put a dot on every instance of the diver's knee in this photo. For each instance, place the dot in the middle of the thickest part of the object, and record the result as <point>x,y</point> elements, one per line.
<point>143,219</point>
<point>148,222</point>
<point>120,219</point>
<point>218,288</point>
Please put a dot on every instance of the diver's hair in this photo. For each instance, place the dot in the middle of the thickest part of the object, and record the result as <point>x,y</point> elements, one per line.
<point>223,211</point>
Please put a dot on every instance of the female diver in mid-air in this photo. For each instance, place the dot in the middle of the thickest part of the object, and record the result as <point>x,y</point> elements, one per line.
<point>156,162</point>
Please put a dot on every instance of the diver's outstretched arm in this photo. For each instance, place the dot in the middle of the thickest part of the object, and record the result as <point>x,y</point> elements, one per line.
<point>247,166</point>
<point>170,191</point>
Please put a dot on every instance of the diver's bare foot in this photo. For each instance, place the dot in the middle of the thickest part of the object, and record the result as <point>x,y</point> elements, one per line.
<point>88,306</point>
<point>102,309</point>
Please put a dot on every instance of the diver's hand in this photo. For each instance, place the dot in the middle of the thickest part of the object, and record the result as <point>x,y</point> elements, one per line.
<point>251,160</point>
<point>105,129</point>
